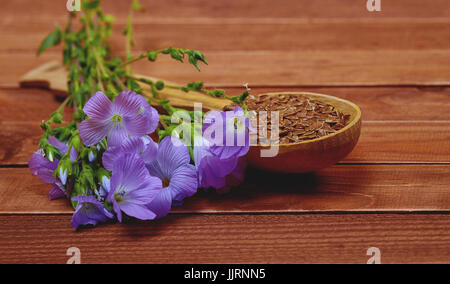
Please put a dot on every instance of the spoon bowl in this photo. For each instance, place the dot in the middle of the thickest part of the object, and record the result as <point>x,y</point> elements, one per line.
<point>316,154</point>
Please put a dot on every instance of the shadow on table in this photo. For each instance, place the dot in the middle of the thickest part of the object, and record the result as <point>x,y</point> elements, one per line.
<point>263,192</point>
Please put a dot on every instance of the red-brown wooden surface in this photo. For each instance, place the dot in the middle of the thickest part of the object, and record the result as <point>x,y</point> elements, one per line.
<point>392,192</point>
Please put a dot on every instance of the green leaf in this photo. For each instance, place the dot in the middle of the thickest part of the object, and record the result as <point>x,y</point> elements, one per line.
<point>54,38</point>
<point>176,55</point>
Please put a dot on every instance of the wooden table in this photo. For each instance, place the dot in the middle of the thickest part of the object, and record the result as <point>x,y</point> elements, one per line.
<point>392,192</point>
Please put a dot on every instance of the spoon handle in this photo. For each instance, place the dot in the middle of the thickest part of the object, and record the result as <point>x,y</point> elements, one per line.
<point>53,76</point>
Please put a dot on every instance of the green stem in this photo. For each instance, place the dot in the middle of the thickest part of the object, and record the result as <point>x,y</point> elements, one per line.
<point>129,40</point>
<point>132,60</point>
<point>64,103</point>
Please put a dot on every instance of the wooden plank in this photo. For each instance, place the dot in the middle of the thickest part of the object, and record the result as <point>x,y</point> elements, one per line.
<point>55,9</point>
<point>279,68</point>
<point>380,142</point>
<point>343,188</point>
<point>245,34</point>
<point>231,239</point>
<point>28,105</point>
<point>402,142</point>
<point>377,103</point>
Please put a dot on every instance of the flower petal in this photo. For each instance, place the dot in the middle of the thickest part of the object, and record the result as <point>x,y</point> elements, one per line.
<point>128,146</point>
<point>170,157</point>
<point>117,135</point>
<point>99,107</point>
<point>63,148</point>
<point>153,118</point>
<point>184,182</point>
<point>140,212</point>
<point>38,161</point>
<point>162,204</point>
<point>46,175</point>
<point>127,104</point>
<point>89,211</point>
<point>129,171</point>
<point>110,157</point>
<point>150,152</point>
<point>73,154</point>
<point>151,114</point>
<point>93,131</point>
<point>56,192</point>
<point>131,176</point>
<point>136,125</point>
<point>117,210</point>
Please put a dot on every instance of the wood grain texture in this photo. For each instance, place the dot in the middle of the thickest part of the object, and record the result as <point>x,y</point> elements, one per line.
<point>231,239</point>
<point>269,68</point>
<point>311,43</point>
<point>250,35</point>
<point>349,188</point>
<point>402,142</point>
<point>316,43</point>
<point>189,9</point>
<point>401,163</point>
<point>312,68</point>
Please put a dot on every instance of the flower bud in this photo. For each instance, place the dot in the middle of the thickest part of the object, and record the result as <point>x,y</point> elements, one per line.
<point>152,55</point>
<point>219,93</point>
<point>159,85</point>
<point>45,125</point>
<point>92,156</point>
<point>76,142</point>
<point>64,170</point>
<point>78,115</point>
<point>57,117</point>
<point>50,152</point>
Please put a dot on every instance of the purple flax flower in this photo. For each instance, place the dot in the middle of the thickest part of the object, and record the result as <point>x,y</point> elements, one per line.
<point>179,178</point>
<point>118,120</point>
<point>219,154</point>
<point>89,211</point>
<point>42,167</point>
<point>212,171</point>
<point>132,188</point>
<point>228,133</point>
<point>144,147</point>
<point>58,190</point>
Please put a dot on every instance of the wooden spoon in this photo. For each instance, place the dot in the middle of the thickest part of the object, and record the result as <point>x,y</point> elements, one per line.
<point>302,157</point>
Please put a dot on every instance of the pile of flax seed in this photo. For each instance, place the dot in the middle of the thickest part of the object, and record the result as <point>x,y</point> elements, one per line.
<point>301,118</point>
